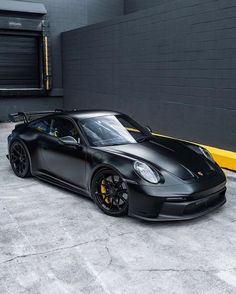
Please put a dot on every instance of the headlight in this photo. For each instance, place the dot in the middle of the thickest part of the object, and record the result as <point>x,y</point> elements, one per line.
<point>146,172</point>
<point>206,153</point>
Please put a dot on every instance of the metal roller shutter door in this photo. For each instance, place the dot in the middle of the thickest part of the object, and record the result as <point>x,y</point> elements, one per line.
<point>19,62</point>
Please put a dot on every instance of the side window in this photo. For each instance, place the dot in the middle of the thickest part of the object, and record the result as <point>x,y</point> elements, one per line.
<point>43,125</point>
<point>63,127</point>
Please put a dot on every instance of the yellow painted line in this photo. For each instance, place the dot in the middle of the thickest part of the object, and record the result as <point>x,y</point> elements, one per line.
<point>225,158</point>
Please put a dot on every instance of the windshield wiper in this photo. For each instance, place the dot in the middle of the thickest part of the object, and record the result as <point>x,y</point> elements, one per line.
<point>144,138</point>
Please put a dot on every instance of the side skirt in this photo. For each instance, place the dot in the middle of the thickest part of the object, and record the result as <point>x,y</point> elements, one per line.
<point>60,183</point>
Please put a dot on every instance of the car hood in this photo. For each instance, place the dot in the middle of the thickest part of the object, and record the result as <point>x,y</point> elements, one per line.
<point>171,155</point>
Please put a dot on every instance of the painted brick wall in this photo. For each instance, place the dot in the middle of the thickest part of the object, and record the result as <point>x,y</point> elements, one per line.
<point>136,5</point>
<point>172,67</point>
<point>100,10</point>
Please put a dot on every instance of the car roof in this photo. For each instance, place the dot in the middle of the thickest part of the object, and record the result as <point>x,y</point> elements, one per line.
<point>83,114</point>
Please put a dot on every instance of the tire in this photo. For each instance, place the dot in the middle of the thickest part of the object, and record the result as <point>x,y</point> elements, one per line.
<point>110,193</point>
<point>19,160</point>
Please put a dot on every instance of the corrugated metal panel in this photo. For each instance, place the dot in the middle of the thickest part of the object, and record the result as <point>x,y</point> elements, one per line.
<point>19,62</point>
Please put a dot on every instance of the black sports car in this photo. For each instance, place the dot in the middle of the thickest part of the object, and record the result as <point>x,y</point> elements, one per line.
<point>117,162</point>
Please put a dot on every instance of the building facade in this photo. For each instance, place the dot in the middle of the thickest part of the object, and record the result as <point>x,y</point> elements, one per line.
<point>23,68</point>
<point>170,64</point>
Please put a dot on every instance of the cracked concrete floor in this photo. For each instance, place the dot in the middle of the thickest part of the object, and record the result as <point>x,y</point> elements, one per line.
<point>55,242</point>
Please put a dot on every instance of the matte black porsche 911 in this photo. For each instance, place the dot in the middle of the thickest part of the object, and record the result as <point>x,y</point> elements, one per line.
<point>112,159</point>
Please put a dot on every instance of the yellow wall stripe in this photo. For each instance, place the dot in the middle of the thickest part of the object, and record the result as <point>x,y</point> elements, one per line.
<point>225,158</point>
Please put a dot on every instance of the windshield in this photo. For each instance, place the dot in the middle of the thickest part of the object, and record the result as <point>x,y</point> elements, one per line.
<point>111,130</point>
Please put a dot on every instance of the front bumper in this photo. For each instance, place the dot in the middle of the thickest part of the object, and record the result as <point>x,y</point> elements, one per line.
<point>188,209</point>
<point>159,208</point>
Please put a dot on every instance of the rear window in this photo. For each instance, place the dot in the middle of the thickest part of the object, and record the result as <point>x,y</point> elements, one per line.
<point>42,125</point>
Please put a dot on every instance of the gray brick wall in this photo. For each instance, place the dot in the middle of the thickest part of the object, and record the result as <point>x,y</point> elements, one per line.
<point>171,67</point>
<point>136,5</point>
<point>100,10</point>
<point>63,16</point>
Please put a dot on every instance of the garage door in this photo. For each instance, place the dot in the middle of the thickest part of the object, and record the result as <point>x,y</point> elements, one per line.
<point>19,62</point>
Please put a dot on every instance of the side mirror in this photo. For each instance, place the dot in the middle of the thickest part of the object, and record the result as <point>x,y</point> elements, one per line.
<point>148,128</point>
<point>69,141</point>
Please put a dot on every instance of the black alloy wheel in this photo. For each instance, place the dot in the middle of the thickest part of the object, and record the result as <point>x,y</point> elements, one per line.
<point>110,193</point>
<point>19,160</point>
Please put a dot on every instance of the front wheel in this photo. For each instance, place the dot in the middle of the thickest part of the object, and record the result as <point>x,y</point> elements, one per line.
<point>110,193</point>
<point>19,160</point>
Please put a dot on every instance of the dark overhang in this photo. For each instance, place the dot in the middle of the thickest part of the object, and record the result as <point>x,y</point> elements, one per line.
<point>22,6</point>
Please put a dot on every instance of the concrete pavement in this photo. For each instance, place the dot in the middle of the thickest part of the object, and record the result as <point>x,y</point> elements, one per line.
<point>56,242</point>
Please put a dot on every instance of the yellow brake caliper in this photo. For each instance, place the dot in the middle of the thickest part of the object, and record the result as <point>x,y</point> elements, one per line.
<point>104,192</point>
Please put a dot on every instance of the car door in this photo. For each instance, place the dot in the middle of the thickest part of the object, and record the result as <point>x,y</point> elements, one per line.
<point>64,162</point>
<point>38,130</point>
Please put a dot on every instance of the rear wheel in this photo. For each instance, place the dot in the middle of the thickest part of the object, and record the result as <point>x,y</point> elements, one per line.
<point>19,160</point>
<point>110,193</point>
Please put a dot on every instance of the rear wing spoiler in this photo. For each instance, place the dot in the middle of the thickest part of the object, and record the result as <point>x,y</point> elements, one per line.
<point>26,117</point>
